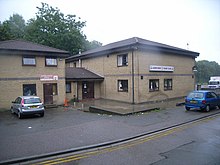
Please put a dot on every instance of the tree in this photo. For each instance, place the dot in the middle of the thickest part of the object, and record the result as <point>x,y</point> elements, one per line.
<point>14,28</point>
<point>206,69</point>
<point>53,28</point>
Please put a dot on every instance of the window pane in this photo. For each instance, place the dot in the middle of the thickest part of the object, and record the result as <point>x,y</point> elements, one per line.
<point>29,61</point>
<point>29,90</point>
<point>68,87</point>
<point>123,60</point>
<point>168,84</point>
<point>51,61</point>
<point>154,85</point>
<point>54,89</point>
<point>123,85</point>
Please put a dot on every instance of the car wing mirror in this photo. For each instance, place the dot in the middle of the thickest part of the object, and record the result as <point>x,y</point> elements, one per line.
<point>13,102</point>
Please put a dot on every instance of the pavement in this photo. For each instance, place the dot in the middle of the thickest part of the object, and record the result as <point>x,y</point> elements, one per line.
<point>74,127</point>
<point>112,107</point>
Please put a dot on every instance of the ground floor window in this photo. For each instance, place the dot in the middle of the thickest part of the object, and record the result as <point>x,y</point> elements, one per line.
<point>154,85</point>
<point>168,84</point>
<point>54,86</point>
<point>29,90</point>
<point>122,85</point>
<point>68,87</point>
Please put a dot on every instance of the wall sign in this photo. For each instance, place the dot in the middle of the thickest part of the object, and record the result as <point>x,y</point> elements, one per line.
<point>48,77</point>
<point>157,68</point>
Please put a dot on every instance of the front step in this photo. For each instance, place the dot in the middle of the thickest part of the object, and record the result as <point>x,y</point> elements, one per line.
<point>47,106</point>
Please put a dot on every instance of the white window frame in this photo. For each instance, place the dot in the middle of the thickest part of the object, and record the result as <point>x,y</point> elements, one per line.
<point>29,61</point>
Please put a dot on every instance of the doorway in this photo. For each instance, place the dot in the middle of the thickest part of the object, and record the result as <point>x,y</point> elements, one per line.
<point>87,90</point>
<point>48,93</point>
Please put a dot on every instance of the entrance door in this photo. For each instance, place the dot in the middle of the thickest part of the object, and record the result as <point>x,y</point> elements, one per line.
<point>87,90</point>
<point>48,94</point>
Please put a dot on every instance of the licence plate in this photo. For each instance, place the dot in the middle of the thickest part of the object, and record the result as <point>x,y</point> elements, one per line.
<point>33,106</point>
<point>193,102</point>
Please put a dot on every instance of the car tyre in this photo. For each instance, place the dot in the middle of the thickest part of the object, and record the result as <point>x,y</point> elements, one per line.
<point>187,108</point>
<point>20,116</point>
<point>207,108</point>
<point>42,114</point>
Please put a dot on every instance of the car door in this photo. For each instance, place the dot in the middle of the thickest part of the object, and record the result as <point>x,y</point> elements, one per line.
<point>16,104</point>
<point>215,99</point>
<point>211,99</point>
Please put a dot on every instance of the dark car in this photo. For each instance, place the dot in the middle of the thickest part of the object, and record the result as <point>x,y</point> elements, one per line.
<point>27,105</point>
<point>203,100</point>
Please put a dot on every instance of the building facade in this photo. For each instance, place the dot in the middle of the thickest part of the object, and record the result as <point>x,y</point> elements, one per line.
<point>31,69</point>
<point>138,71</point>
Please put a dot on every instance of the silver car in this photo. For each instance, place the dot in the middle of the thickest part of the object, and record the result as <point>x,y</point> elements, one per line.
<point>27,105</point>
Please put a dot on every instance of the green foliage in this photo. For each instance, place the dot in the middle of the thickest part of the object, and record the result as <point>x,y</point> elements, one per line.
<point>50,27</point>
<point>14,28</point>
<point>206,69</point>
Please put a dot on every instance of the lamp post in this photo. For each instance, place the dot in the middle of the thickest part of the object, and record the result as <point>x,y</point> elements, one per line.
<point>194,69</point>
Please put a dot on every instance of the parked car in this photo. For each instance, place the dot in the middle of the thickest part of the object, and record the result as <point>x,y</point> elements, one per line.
<point>27,105</point>
<point>203,100</point>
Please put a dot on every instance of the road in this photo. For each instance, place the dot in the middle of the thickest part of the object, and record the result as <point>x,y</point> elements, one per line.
<point>197,143</point>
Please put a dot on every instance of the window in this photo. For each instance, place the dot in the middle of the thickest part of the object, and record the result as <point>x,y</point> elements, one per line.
<point>168,84</point>
<point>154,85</point>
<point>54,89</point>
<point>51,61</point>
<point>31,61</point>
<point>29,90</point>
<point>68,87</point>
<point>123,60</point>
<point>122,85</point>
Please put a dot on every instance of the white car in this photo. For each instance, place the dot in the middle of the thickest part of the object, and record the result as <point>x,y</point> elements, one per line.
<point>27,105</point>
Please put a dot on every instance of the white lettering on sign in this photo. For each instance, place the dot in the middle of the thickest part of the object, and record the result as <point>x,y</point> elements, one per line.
<point>157,68</point>
<point>48,77</point>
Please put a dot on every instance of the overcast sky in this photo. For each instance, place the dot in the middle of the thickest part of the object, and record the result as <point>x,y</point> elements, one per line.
<point>172,22</point>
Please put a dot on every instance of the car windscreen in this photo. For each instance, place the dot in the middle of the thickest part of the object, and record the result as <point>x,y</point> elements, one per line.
<point>32,100</point>
<point>214,83</point>
<point>197,95</point>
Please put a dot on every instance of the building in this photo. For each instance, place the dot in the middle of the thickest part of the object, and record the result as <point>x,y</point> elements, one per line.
<point>27,68</point>
<point>134,70</point>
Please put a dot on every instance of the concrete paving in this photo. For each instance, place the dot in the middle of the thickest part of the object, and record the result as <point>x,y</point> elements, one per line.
<point>103,106</point>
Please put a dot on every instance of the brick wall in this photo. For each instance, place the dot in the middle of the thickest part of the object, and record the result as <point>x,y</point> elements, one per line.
<point>13,75</point>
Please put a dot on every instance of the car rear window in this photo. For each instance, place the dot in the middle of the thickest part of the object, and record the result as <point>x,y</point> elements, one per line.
<point>197,95</point>
<point>32,100</point>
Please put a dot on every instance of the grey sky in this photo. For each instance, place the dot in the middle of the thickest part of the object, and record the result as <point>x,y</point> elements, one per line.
<point>172,22</point>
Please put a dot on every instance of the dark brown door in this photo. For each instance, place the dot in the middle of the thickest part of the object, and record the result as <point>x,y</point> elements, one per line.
<point>48,94</point>
<point>87,90</point>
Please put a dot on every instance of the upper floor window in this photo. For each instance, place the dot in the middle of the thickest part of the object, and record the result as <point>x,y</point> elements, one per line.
<point>29,61</point>
<point>51,61</point>
<point>168,84</point>
<point>123,60</point>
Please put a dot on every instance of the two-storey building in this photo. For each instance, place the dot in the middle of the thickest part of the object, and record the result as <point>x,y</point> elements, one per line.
<point>134,70</point>
<point>27,68</point>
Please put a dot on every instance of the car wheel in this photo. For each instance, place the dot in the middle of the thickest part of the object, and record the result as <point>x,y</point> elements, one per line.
<point>207,109</point>
<point>187,108</point>
<point>20,116</point>
<point>42,114</point>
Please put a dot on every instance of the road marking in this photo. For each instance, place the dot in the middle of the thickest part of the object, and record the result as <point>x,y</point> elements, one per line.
<point>125,145</point>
